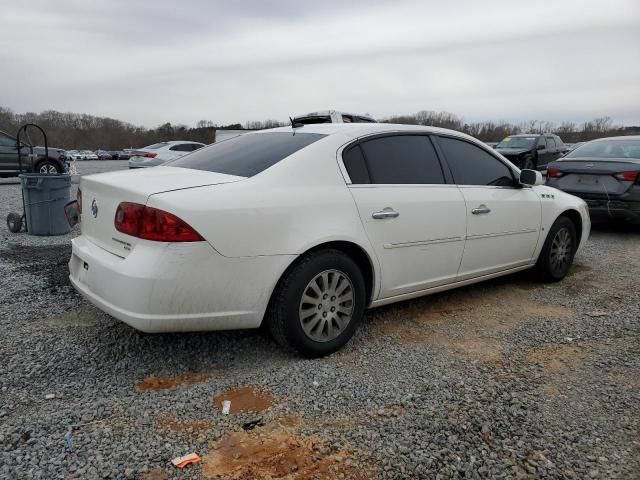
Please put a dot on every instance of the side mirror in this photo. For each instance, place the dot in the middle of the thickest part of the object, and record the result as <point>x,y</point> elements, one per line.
<point>541,147</point>
<point>531,178</point>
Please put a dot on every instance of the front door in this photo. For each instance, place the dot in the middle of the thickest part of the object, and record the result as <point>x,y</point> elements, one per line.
<point>415,221</point>
<point>8,154</point>
<point>503,218</point>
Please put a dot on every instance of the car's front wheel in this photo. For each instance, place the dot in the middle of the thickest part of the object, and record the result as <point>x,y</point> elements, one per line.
<point>558,251</point>
<point>318,304</point>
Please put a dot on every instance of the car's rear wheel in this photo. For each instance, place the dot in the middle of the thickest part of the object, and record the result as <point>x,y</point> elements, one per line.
<point>318,304</point>
<point>48,167</point>
<point>558,251</point>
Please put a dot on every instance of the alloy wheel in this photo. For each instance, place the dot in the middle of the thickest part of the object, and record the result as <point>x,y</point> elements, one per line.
<point>326,306</point>
<point>48,168</point>
<point>561,250</point>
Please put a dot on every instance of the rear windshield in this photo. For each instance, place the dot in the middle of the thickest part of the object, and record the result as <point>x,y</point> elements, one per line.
<point>607,149</point>
<point>246,155</point>
<point>313,120</point>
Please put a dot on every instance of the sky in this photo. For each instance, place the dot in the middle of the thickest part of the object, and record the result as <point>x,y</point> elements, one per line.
<point>154,61</point>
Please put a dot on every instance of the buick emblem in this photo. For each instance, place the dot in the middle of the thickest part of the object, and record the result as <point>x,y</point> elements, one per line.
<point>94,208</point>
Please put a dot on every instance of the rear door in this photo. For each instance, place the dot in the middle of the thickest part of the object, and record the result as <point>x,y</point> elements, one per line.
<point>413,218</point>
<point>503,219</point>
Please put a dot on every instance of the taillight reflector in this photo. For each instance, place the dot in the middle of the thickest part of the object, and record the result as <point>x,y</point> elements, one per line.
<point>151,223</point>
<point>627,176</point>
<point>150,155</point>
<point>554,172</point>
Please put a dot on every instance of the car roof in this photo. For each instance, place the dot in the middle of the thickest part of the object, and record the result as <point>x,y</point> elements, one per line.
<point>172,142</point>
<point>356,130</point>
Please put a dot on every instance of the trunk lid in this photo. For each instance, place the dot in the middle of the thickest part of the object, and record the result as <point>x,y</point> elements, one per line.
<point>594,176</point>
<point>102,193</point>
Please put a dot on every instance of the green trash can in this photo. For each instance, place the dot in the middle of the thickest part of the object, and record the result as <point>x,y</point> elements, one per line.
<point>45,196</point>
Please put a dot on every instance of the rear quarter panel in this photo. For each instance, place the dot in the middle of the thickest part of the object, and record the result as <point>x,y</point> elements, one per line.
<point>298,203</point>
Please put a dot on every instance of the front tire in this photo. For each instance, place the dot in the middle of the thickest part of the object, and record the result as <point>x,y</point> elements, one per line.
<point>558,251</point>
<point>318,304</point>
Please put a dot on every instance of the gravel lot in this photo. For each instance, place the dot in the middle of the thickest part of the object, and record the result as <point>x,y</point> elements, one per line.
<point>506,379</point>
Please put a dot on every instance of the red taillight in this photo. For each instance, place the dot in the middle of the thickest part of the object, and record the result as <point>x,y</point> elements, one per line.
<point>554,172</point>
<point>153,224</point>
<point>627,176</point>
<point>150,155</point>
<point>79,200</point>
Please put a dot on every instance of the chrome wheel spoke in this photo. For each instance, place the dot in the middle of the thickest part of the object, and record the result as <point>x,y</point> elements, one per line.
<point>326,306</point>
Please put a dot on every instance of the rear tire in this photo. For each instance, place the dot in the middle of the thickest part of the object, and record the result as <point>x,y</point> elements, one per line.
<point>528,164</point>
<point>558,251</point>
<point>318,304</point>
<point>48,167</point>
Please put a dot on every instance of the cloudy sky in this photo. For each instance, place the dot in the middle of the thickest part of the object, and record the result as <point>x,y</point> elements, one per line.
<point>152,61</point>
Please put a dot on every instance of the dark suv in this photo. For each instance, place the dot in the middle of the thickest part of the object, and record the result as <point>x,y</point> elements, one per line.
<point>533,151</point>
<point>33,158</point>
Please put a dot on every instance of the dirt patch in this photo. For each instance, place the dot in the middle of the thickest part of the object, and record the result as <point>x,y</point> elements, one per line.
<point>155,383</point>
<point>277,452</point>
<point>556,358</point>
<point>252,398</point>
<point>73,318</point>
<point>166,423</point>
<point>465,320</point>
<point>155,474</point>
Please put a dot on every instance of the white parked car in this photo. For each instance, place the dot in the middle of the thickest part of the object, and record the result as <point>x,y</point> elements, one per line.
<point>73,155</point>
<point>305,228</point>
<point>159,153</point>
<point>88,155</point>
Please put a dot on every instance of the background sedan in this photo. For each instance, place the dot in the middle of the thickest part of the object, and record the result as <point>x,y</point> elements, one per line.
<point>158,153</point>
<point>606,174</point>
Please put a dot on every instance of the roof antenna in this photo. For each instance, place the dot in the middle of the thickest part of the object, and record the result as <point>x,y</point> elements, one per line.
<point>295,124</point>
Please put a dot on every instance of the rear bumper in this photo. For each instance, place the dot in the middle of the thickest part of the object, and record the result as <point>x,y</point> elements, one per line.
<point>619,208</point>
<point>176,287</point>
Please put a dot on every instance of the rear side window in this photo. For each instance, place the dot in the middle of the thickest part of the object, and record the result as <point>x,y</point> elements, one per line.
<point>246,155</point>
<point>6,141</point>
<point>355,165</point>
<point>471,165</point>
<point>402,159</point>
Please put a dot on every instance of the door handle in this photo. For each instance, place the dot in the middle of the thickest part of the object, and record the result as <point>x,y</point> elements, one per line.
<point>480,210</point>
<point>386,212</point>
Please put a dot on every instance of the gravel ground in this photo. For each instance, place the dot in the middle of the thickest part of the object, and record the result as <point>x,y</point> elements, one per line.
<point>506,379</point>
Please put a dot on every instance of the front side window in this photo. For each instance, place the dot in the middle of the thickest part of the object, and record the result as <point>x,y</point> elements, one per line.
<point>246,155</point>
<point>471,165</point>
<point>399,159</point>
<point>517,142</point>
<point>542,142</point>
<point>551,143</point>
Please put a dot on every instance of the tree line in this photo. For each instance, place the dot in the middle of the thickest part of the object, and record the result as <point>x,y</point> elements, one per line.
<point>82,131</point>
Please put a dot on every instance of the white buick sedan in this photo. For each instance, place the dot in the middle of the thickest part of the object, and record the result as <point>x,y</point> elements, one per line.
<point>305,228</point>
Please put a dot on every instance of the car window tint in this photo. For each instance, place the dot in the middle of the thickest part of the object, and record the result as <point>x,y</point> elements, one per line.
<point>347,119</point>
<point>402,159</point>
<point>6,141</point>
<point>246,155</point>
<point>542,142</point>
<point>355,165</point>
<point>471,165</point>
<point>551,144</point>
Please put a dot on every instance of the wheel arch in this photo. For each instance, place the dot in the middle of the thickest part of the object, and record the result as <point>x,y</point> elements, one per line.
<point>576,218</point>
<point>353,250</point>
